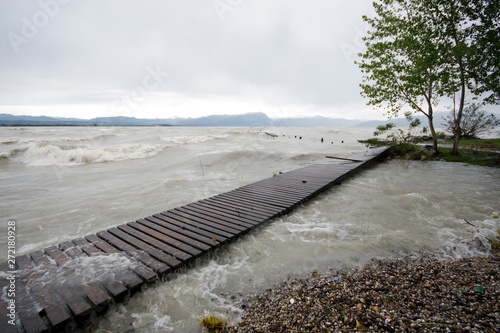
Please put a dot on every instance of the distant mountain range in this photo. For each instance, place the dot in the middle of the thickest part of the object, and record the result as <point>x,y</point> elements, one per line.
<point>248,119</point>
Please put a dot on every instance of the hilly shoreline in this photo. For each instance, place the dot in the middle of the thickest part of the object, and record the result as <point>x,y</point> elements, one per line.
<point>248,119</point>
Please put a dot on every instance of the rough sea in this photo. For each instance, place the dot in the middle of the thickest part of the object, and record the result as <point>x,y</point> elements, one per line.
<point>59,183</point>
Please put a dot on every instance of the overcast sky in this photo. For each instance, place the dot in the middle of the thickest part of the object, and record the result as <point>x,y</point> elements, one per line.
<point>182,58</point>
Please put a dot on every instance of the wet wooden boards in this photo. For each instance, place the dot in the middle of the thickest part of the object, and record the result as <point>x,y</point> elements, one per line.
<point>59,288</point>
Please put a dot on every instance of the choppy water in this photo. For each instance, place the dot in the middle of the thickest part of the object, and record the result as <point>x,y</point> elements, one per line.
<point>62,183</point>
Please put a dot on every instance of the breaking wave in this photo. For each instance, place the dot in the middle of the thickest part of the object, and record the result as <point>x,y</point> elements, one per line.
<point>41,154</point>
<point>193,139</point>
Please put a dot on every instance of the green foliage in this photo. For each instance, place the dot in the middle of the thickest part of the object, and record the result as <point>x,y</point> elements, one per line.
<point>214,323</point>
<point>401,65</point>
<point>420,51</point>
<point>403,141</point>
<point>484,40</point>
<point>440,135</point>
<point>398,136</point>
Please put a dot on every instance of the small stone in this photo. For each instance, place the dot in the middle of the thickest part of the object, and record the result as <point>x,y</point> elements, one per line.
<point>274,327</point>
<point>375,309</point>
<point>414,325</point>
<point>426,285</point>
<point>392,279</point>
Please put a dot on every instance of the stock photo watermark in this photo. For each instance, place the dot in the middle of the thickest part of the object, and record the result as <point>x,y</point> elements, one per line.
<point>223,7</point>
<point>10,292</point>
<point>131,99</point>
<point>31,26</point>
<point>351,50</point>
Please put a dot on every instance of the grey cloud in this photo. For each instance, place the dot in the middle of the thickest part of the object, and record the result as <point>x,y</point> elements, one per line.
<point>285,51</point>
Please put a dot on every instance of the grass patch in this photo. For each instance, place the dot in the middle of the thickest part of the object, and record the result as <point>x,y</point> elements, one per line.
<point>493,144</point>
<point>214,323</point>
<point>495,244</point>
<point>470,151</point>
<point>471,156</point>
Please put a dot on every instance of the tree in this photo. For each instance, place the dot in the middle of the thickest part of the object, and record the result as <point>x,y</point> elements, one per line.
<point>468,28</point>
<point>473,123</point>
<point>485,32</point>
<point>421,51</point>
<point>402,65</point>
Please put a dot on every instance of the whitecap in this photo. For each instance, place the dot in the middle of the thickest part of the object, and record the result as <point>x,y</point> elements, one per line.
<point>39,154</point>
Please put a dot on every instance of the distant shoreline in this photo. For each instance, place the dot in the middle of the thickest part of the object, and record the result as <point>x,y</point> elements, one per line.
<point>257,119</point>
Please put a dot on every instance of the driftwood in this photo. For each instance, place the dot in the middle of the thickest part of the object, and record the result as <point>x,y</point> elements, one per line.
<point>342,158</point>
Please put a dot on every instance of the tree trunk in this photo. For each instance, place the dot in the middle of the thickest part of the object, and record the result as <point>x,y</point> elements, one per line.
<point>458,119</point>
<point>430,117</point>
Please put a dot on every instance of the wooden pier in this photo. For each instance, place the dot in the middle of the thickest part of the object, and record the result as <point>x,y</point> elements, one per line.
<point>52,293</point>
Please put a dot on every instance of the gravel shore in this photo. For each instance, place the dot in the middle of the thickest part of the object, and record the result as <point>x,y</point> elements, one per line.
<point>418,293</point>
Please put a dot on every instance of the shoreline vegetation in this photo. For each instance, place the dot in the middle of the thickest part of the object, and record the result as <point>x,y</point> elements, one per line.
<point>483,152</point>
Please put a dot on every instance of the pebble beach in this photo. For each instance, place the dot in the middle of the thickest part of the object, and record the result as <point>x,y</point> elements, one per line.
<point>414,293</point>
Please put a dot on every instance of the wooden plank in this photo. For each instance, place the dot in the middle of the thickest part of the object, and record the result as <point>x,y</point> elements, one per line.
<point>252,204</point>
<point>216,233</point>
<point>255,203</point>
<point>308,179</point>
<point>28,310</point>
<point>249,220</point>
<point>115,287</point>
<point>272,200</point>
<point>275,190</point>
<point>256,200</point>
<point>143,246</point>
<point>180,231</point>
<point>158,266</point>
<point>223,228</point>
<point>5,312</point>
<point>76,302</point>
<point>193,251</point>
<point>239,208</point>
<point>126,276</point>
<point>285,197</point>
<point>228,210</point>
<point>99,298</point>
<point>294,184</point>
<point>282,191</point>
<point>55,311</point>
<point>192,226</point>
<point>197,208</point>
<point>216,221</point>
<point>163,246</point>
